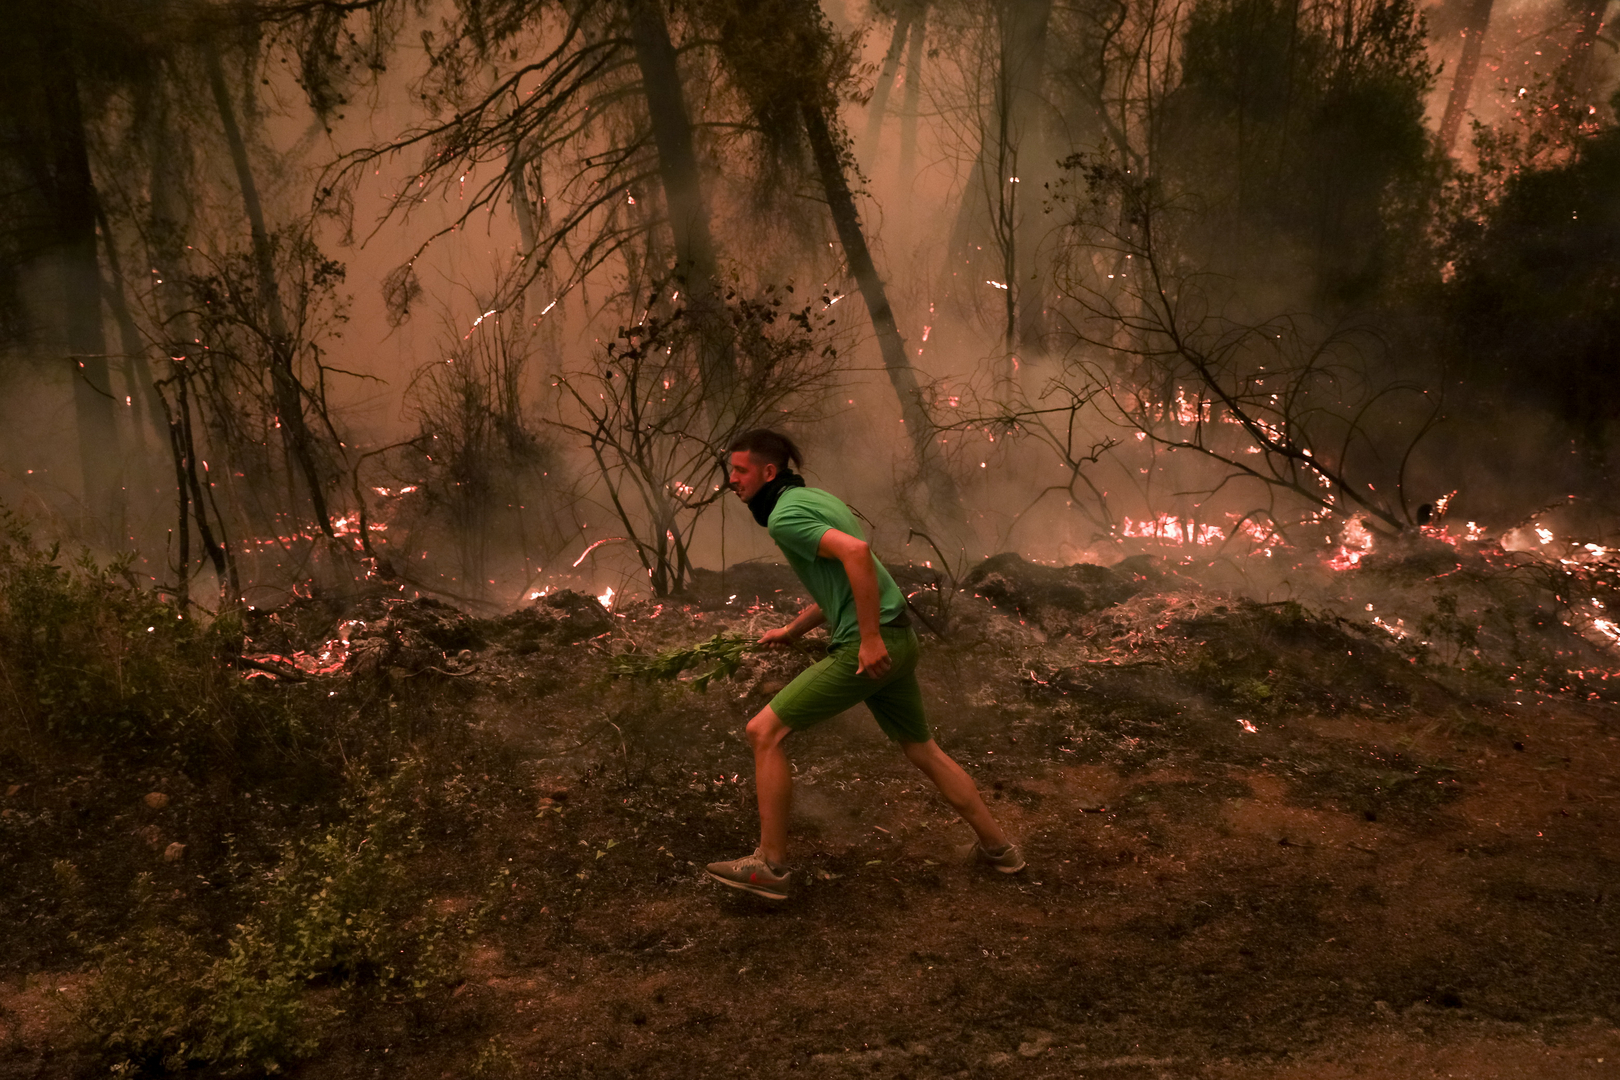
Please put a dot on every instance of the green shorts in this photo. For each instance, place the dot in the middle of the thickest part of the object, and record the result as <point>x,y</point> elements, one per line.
<point>830,686</point>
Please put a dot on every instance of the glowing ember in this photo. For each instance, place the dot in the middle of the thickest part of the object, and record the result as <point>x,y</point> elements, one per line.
<point>1354,545</point>
<point>476,321</point>
<point>592,548</point>
<point>327,659</point>
<point>1397,629</point>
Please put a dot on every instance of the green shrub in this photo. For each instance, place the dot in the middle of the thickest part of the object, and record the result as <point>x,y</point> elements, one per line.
<point>341,910</point>
<point>344,908</point>
<point>93,659</point>
<point>161,1004</point>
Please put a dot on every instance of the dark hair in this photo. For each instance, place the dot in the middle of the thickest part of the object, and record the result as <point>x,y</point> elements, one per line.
<point>769,445</point>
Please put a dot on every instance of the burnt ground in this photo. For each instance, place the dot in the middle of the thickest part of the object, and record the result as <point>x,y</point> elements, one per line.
<point>1401,871</point>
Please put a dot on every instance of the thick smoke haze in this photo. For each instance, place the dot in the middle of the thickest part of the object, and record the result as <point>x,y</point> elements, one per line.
<point>1192,279</point>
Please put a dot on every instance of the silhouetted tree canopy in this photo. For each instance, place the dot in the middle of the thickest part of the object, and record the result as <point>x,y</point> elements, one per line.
<point>1304,124</point>
<point>1534,307</point>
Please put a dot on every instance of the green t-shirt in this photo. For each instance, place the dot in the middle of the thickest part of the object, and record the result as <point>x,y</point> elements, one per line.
<point>801,516</point>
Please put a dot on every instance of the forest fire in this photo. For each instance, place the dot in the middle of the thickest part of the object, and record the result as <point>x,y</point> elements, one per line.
<point>1355,544</point>
<point>328,658</point>
<point>448,313</point>
<point>1173,530</point>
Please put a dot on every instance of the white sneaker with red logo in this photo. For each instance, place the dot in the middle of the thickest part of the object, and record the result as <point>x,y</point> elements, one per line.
<point>754,873</point>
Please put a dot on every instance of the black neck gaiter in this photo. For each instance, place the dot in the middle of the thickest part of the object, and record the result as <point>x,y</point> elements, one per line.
<point>764,500</point>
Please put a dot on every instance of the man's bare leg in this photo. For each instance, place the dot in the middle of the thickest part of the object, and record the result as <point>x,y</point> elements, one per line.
<point>957,787</point>
<point>773,782</point>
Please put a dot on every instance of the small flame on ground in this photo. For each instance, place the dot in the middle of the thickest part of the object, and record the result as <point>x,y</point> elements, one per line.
<point>607,597</point>
<point>1173,529</point>
<point>1355,545</point>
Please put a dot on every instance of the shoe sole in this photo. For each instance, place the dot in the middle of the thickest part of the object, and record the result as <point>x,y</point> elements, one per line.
<point>987,861</point>
<point>763,891</point>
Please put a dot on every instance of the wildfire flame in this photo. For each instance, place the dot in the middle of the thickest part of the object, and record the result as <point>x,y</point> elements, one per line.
<point>1355,544</point>
<point>1173,529</point>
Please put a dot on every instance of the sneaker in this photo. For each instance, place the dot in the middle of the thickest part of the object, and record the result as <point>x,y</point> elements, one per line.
<point>752,874</point>
<point>1009,860</point>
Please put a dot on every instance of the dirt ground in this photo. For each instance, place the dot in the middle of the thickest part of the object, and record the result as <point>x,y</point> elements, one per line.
<point>1387,877</point>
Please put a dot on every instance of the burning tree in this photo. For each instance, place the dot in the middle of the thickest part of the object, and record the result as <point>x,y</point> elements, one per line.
<point>1288,402</point>
<point>659,445</point>
<point>1253,168</point>
<point>1287,407</point>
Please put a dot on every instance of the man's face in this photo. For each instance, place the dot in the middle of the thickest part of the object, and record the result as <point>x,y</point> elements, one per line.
<point>749,474</point>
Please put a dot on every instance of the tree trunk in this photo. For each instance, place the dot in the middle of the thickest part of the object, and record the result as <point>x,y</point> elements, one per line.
<point>696,266</point>
<point>1036,165</point>
<point>523,208</point>
<point>137,372</point>
<point>830,164</point>
<point>166,228</point>
<point>913,102</point>
<point>994,201</point>
<point>879,104</point>
<point>1462,84</point>
<point>73,210</point>
<point>287,393</point>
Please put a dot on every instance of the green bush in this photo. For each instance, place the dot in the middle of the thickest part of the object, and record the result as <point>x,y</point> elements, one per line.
<point>161,1004</point>
<point>341,910</point>
<point>92,658</point>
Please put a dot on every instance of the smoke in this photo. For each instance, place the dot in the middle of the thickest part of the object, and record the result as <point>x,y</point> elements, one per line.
<point>1071,429</point>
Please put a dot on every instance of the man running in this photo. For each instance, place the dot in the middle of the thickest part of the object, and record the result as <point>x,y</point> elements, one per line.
<point>872,657</point>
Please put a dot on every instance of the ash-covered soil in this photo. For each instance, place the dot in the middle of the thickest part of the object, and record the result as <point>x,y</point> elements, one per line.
<point>1264,841</point>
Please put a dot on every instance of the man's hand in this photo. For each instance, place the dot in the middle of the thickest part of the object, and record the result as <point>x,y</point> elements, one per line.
<point>782,635</point>
<point>804,622</point>
<point>873,660</point>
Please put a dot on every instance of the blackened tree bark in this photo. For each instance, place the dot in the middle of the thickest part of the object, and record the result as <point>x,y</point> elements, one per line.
<point>829,160</point>
<point>1462,84</point>
<point>696,265</point>
<point>782,57</point>
<point>288,393</point>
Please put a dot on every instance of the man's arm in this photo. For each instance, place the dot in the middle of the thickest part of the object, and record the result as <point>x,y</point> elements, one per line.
<point>856,555</point>
<point>804,622</point>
